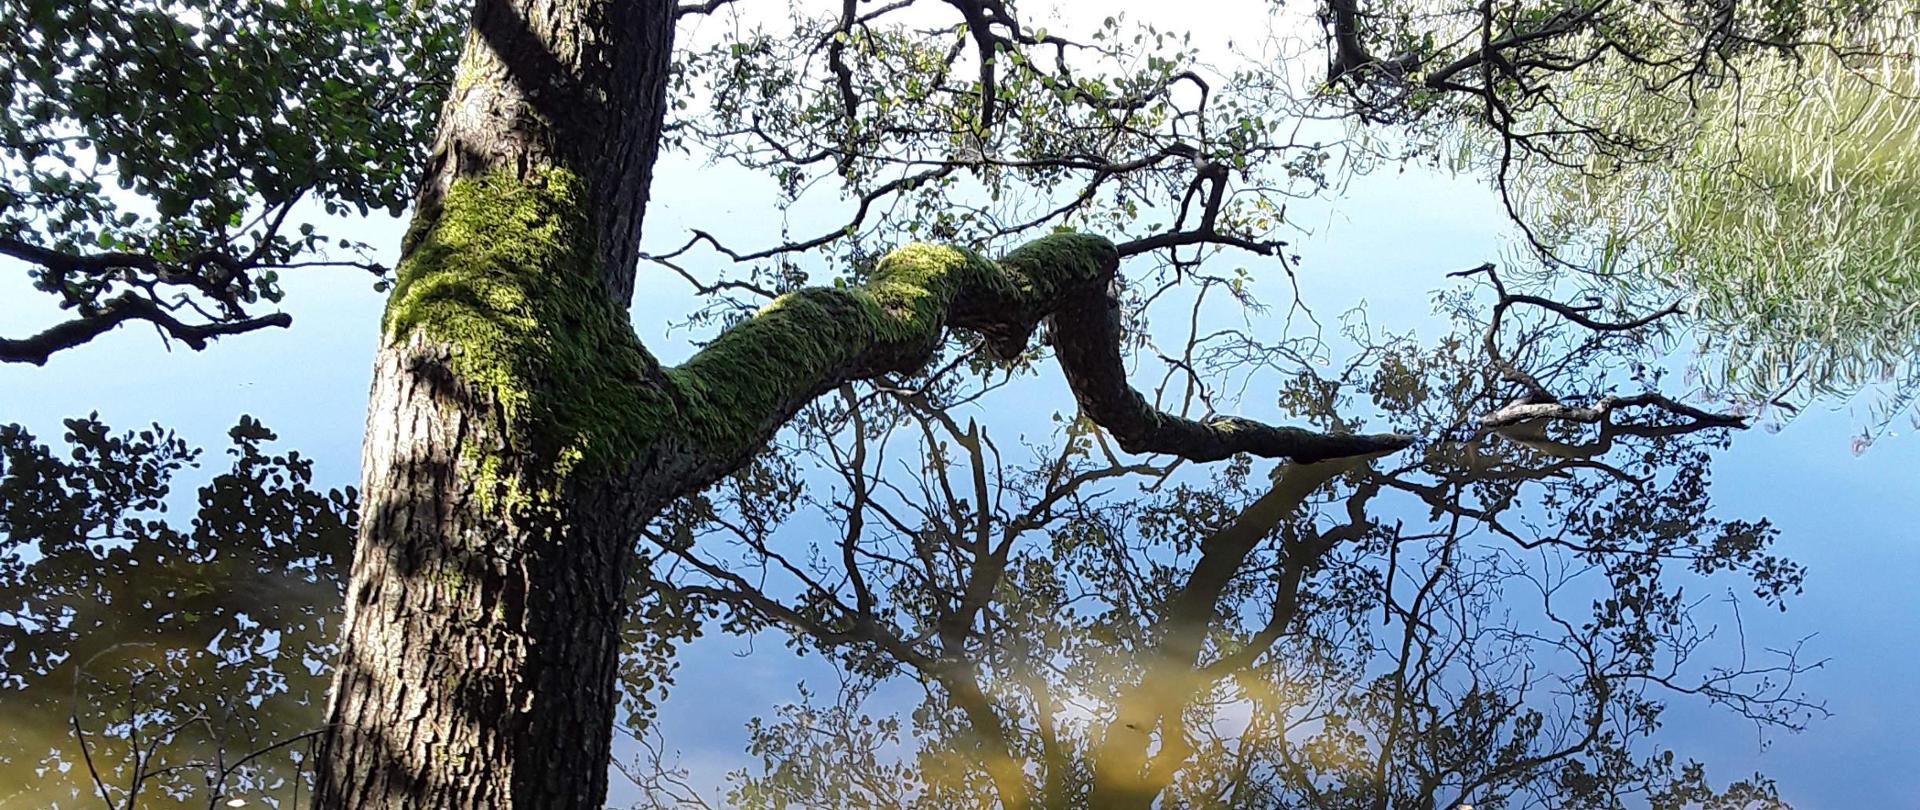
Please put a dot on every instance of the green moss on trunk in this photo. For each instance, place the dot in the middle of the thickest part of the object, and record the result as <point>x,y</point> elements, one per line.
<point>808,340</point>
<point>505,276</point>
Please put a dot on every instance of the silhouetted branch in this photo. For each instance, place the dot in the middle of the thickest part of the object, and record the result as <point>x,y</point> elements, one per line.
<point>125,308</point>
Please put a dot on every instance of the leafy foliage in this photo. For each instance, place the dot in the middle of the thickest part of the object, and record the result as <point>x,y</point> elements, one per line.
<point>175,647</point>
<point>158,148</point>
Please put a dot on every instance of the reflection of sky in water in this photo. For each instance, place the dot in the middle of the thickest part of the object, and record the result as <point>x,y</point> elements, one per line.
<point>1390,241</point>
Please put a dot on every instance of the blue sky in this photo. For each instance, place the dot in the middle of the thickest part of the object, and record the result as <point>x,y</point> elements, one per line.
<point>1388,241</point>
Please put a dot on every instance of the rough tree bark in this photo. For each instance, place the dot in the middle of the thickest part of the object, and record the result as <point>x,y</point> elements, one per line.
<point>479,660</point>
<point>519,436</point>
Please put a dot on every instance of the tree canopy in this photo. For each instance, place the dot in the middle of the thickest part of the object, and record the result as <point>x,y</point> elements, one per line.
<point>152,154</point>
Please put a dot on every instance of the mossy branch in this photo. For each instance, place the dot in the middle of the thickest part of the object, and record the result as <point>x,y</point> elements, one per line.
<point>747,383</point>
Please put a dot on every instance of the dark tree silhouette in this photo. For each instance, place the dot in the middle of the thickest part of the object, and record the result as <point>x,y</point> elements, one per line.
<point>161,644</point>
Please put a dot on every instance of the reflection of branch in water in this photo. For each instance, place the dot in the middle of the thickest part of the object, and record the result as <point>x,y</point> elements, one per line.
<point>1078,646</point>
<point>1524,420</point>
<point>217,774</point>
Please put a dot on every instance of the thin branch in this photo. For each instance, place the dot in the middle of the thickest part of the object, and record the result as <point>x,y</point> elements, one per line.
<point>127,307</point>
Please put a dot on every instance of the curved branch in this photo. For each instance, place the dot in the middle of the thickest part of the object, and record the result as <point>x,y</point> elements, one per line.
<point>733,395</point>
<point>1086,338</point>
<point>708,7</point>
<point>1524,419</point>
<point>906,183</point>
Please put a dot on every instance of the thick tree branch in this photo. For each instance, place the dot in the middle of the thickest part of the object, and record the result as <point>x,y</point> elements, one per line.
<point>1086,337</point>
<point>733,395</point>
<point>1522,412</point>
<point>708,7</point>
<point>1525,418</point>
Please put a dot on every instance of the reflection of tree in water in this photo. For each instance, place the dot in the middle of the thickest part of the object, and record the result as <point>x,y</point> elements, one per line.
<point>1496,618</point>
<point>175,649</point>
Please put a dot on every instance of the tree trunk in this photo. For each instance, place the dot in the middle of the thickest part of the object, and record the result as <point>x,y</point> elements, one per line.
<point>482,636</point>
<point>482,632</point>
